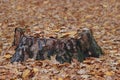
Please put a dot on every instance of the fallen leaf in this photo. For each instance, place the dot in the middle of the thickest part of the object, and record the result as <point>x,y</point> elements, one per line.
<point>109,73</point>
<point>46,2</point>
<point>0,33</point>
<point>0,50</point>
<point>67,78</point>
<point>7,56</point>
<point>68,34</point>
<point>26,73</point>
<point>60,78</point>
<point>118,62</point>
<point>19,8</point>
<point>56,30</point>
<point>35,70</point>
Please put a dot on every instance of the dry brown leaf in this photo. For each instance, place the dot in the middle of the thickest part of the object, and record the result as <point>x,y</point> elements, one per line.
<point>68,34</point>
<point>35,70</point>
<point>0,50</point>
<point>3,77</point>
<point>60,78</point>
<point>67,78</point>
<point>7,56</point>
<point>109,73</point>
<point>87,61</point>
<point>63,35</point>
<point>26,73</point>
<point>56,30</point>
<point>0,33</point>
<point>19,7</point>
<point>46,2</point>
<point>58,17</point>
<point>38,63</point>
<point>118,62</point>
<point>113,51</point>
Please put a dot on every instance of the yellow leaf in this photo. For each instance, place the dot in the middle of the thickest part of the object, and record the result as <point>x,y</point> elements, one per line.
<point>63,35</point>
<point>7,56</point>
<point>109,73</point>
<point>26,73</point>
<point>16,70</point>
<point>56,30</point>
<point>65,18</point>
<point>72,33</point>
<point>60,78</point>
<point>68,34</point>
<point>35,70</point>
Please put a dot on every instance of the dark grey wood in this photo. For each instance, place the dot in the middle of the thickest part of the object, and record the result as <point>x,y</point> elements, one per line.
<point>65,49</point>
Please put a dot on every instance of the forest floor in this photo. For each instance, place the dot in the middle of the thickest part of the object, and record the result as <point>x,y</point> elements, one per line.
<point>56,18</point>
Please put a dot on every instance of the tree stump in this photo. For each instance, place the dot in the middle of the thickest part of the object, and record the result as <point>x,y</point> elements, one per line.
<point>65,49</point>
<point>88,47</point>
<point>19,32</point>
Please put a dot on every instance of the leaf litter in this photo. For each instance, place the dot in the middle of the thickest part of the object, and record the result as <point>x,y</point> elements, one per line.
<point>61,18</point>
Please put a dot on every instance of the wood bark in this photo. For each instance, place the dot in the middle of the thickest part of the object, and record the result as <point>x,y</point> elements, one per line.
<point>88,47</point>
<point>65,49</point>
<point>19,32</point>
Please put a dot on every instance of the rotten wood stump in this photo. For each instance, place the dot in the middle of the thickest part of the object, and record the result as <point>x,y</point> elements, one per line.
<point>17,36</point>
<point>65,49</point>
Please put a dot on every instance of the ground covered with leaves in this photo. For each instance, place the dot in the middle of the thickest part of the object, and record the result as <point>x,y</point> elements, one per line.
<point>60,18</point>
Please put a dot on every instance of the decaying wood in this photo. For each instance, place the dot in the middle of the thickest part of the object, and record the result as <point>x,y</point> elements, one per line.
<point>65,49</point>
<point>88,46</point>
<point>18,34</point>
